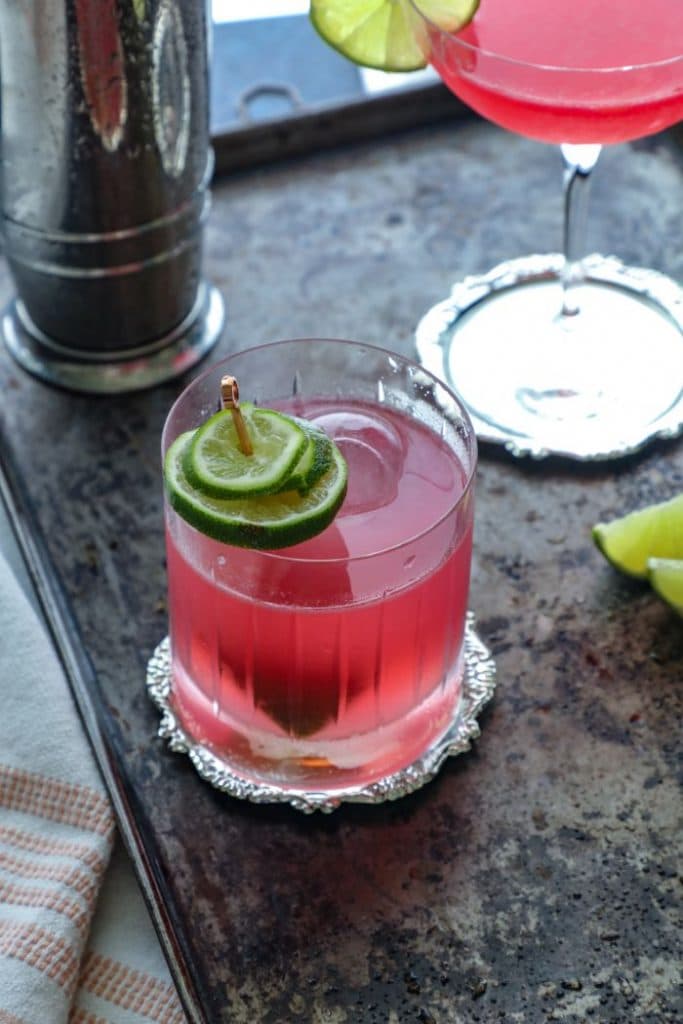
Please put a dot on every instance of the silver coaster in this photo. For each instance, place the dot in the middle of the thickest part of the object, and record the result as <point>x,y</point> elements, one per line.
<point>534,384</point>
<point>478,687</point>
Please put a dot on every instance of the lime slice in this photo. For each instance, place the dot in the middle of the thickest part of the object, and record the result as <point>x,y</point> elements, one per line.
<point>652,532</point>
<point>215,463</point>
<point>386,34</point>
<point>265,521</point>
<point>313,463</point>
<point>666,577</point>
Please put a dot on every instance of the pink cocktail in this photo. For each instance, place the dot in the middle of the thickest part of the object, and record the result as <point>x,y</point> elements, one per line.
<point>338,661</point>
<point>592,71</point>
<point>536,347</point>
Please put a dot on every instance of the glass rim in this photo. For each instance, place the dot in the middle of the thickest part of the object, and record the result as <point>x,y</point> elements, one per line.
<point>278,554</point>
<point>557,68</point>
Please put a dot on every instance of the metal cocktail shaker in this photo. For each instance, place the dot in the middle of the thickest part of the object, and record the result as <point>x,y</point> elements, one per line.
<point>106,164</point>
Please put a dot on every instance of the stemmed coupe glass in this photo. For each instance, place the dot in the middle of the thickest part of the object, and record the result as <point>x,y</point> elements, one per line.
<point>564,353</point>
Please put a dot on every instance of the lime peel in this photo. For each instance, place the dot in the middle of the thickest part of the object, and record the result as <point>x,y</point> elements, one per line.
<point>315,460</point>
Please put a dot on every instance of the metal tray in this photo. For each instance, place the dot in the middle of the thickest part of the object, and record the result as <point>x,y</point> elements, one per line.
<point>305,96</point>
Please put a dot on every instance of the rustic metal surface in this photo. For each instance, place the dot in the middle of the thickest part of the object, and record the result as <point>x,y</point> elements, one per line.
<point>537,877</point>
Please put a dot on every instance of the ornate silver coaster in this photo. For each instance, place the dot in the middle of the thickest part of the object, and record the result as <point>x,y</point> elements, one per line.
<point>595,383</point>
<point>478,688</point>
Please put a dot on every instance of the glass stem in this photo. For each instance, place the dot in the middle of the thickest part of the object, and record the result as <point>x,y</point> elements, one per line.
<point>578,163</point>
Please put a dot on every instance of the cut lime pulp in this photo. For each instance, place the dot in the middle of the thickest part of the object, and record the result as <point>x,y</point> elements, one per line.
<point>666,578</point>
<point>386,34</point>
<point>215,463</point>
<point>652,532</point>
<point>263,521</point>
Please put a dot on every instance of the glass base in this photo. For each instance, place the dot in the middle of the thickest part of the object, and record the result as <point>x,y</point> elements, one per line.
<point>594,385</point>
<point>329,787</point>
<point>109,373</point>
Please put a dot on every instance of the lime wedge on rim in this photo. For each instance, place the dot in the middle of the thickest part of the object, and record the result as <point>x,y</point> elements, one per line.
<point>652,532</point>
<point>216,465</point>
<point>386,34</point>
<point>666,578</point>
<point>264,521</point>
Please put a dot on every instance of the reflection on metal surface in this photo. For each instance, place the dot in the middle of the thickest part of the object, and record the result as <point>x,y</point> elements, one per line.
<point>479,685</point>
<point>100,373</point>
<point>105,170</point>
<point>170,88</point>
<point>103,75</point>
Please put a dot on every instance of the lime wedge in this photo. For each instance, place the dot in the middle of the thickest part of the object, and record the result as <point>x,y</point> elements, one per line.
<point>666,577</point>
<point>386,34</point>
<point>264,521</point>
<point>652,532</point>
<point>216,465</point>
<point>313,463</point>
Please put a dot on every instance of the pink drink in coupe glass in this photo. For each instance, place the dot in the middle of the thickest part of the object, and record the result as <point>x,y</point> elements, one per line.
<point>337,661</point>
<point>591,71</point>
<point>535,347</point>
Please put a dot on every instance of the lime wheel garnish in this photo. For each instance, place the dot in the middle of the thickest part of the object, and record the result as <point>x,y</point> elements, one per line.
<point>386,34</point>
<point>216,464</point>
<point>255,478</point>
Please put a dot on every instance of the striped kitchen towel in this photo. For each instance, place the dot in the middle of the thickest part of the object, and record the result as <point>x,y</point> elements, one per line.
<point>76,943</point>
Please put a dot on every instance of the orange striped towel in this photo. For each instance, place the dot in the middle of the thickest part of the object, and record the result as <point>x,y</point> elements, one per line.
<point>76,943</point>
